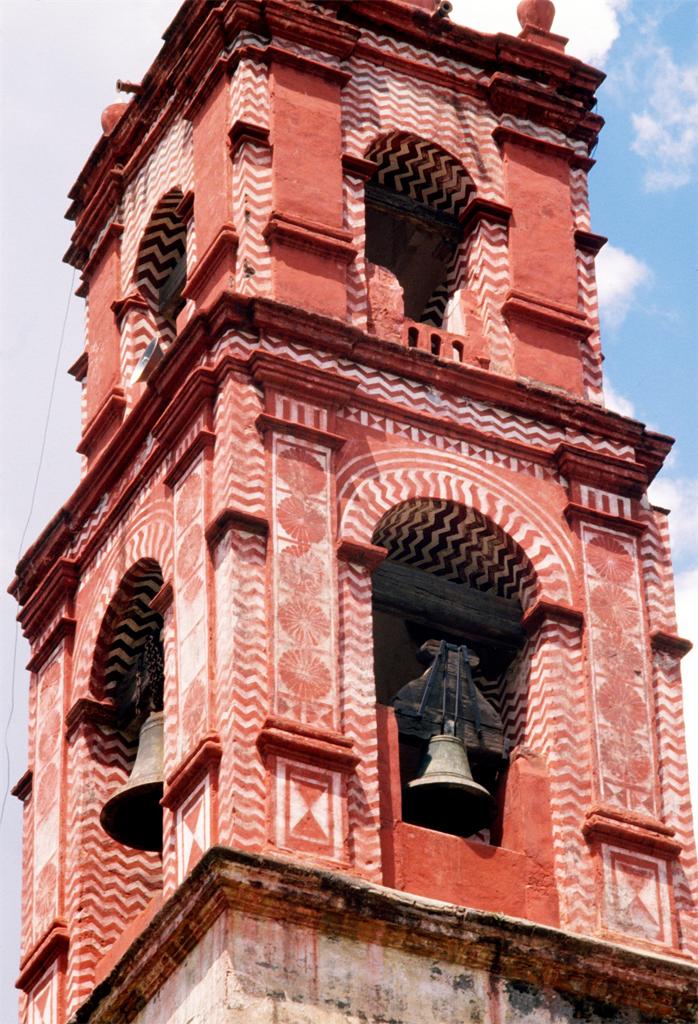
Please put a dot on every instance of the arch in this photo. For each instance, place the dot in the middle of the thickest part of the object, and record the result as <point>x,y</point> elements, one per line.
<point>458,543</point>
<point>423,170</point>
<point>371,485</point>
<point>127,622</point>
<point>147,536</point>
<point>160,267</point>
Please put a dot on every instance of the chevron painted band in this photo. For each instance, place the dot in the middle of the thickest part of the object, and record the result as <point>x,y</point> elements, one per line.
<point>423,171</point>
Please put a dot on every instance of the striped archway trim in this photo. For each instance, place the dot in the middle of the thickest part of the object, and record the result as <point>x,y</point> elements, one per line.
<point>128,621</point>
<point>457,543</point>
<point>421,170</point>
<point>369,486</point>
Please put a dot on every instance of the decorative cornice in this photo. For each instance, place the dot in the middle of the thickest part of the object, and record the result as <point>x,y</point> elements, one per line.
<point>276,54</point>
<point>587,241</point>
<point>88,711</point>
<point>601,470</point>
<point>246,131</point>
<point>575,512</point>
<point>503,134</point>
<point>323,33</point>
<point>284,375</point>
<point>608,825</point>
<point>301,895</point>
<point>22,788</point>
<point>221,254</point>
<point>360,553</point>
<point>56,588</point>
<point>63,629</point>
<point>109,415</point>
<point>357,167</point>
<point>670,643</point>
<point>308,235</point>
<point>265,423</point>
<point>544,612</point>
<point>485,210</point>
<point>205,757</point>
<point>235,519</point>
<point>204,441</point>
<point>303,743</point>
<point>133,301</point>
<point>163,599</point>
<point>530,308</point>
<point>79,368</point>
<point>51,945</point>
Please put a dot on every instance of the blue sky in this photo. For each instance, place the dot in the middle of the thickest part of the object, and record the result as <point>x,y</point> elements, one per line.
<point>644,198</point>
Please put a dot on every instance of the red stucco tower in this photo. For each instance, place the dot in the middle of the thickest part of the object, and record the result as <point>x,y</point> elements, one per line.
<point>350,491</point>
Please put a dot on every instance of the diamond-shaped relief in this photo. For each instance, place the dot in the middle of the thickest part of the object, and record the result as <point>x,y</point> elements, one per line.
<point>193,829</point>
<point>309,809</point>
<point>43,1009</point>
<point>636,896</point>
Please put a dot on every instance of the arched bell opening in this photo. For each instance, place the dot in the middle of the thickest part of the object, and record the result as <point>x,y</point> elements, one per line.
<point>447,613</point>
<point>161,265</point>
<point>415,203</point>
<point>130,674</point>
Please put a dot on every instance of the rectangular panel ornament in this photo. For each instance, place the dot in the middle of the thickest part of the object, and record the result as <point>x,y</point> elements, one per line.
<point>618,659</point>
<point>637,898</point>
<point>193,828</point>
<point>310,809</point>
<point>304,614</point>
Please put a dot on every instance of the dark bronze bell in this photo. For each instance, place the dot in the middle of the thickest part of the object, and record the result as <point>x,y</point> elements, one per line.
<point>133,815</point>
<point>445,796</point>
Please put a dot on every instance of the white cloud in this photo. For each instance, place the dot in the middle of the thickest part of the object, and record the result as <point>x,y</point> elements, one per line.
<point>619,275</point>
<point>592,27</point>
<point>617,402</point>
<point>666,131</point>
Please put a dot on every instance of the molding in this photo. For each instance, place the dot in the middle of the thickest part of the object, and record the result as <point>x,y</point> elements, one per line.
<point>52,944</point>
<point>110,413</point>
<point>502,134</point>
<point>670,643</point>
<point>135,300</point>
<point>265,422</point>
<point>291,378</point>
<point>310,236</point>
<point>163,599</point>
<point>79,368</point>
<point>205,756</point>
<point>485,209</point>
<point>285,738</point>
<point>360,553</point>
<point>276,54</point>
<point>204,441</point>
<point>88,711</point>
<point>324,33</point>
<point>357,167</point>
<point>235,519</point>
<point>246,131</point>
<point>573,512</point>
<point>578,465</point>
<point>222,252</point>
<point>544,611</point>
<point>112,236</point>
<point>587,241</point>
<point>63,629</point>
<point>22,788</point>
<point>272,888</point>
<point>519,306</point>
<point>608,825</point>
<point>58,586</point>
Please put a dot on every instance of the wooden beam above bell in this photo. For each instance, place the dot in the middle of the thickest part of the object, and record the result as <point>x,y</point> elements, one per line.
<point>453,608</point>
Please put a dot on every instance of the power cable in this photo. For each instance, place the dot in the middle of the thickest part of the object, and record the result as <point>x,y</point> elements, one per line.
<point>39,466</point>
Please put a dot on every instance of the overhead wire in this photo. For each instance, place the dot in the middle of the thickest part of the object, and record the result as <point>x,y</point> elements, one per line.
<point>20,547</point>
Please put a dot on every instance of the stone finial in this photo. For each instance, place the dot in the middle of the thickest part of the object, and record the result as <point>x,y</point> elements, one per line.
<point>111,115</point>
<point>538,14</point>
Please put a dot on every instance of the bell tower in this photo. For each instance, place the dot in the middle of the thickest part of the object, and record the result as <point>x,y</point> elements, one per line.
<point>354,676</point>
